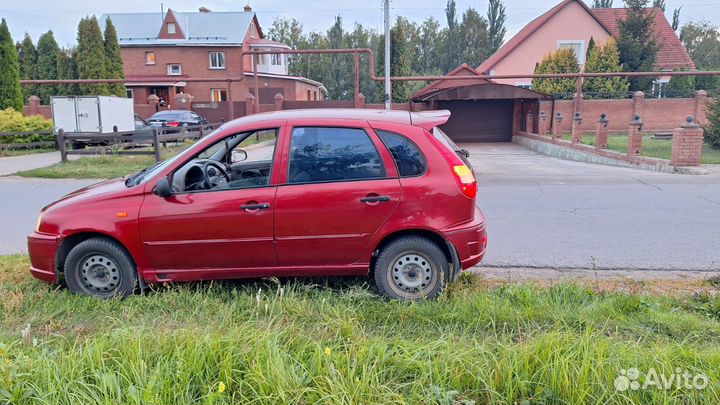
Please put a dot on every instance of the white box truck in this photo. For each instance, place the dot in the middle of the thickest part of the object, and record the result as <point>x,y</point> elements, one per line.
<point>92,114</point>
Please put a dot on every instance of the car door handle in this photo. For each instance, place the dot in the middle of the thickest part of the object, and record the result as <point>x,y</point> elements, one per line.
<point>375,199</point>
<point>256,206</point>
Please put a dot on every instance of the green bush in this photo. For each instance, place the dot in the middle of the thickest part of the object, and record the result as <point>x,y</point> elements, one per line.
<point>13,121</point>
<point>712,127</point>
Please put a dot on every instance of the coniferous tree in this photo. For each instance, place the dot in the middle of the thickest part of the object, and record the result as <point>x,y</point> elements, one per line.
<point>48,51</point>
<point>66,70</point>
<point>474,35</point>
<point>496,25</point>
<point>712,127</point>
<point>113,59</point>
<point>561,61</point>
<point>590,47</point>
<point>603,4</point>
<point>430,48</point>
<point>452,44</point>
<point>676,18</point>
<point>90,57</point>
<point>637,43</point>
<point>399,62</point>
<point>604,59</point>
<point>27,58</point>
<point>659,4</point>
<point>10,90</point>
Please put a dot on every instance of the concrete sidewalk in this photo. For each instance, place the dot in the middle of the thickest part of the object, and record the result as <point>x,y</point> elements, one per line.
<point>13,164</point>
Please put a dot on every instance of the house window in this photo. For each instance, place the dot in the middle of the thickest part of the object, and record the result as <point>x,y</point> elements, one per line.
<point>315,95</point>
<point>578,46</point>
<point>174,69</point>
<point>217,60</point>
<point>129,93</point>
<point>218,95</point>
<point>276,59</point>
<point>170,28</point>
<point>149,57</point>
<point>308,95</point>
<point>660,87</point>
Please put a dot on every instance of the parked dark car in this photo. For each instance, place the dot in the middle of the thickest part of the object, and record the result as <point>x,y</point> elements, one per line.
<point>324,192</point>
<point>176,119</point>
<point>140,123</point>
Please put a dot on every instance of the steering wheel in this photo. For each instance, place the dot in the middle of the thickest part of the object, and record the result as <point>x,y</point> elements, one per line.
<point>213,174</point>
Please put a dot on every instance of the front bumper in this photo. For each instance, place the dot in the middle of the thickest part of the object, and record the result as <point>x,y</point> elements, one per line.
<point>42,249</point>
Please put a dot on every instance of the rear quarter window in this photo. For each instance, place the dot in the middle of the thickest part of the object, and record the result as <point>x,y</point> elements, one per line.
<point>409,159</point>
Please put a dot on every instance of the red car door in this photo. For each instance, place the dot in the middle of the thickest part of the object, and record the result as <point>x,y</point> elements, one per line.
<point>340,187</point>
<point>222,229</point>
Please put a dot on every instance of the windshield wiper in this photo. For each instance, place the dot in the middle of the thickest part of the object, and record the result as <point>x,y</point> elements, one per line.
<point>136,178</point>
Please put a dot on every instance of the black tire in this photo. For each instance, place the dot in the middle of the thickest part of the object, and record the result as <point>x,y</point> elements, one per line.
<point>101,268</point>
<point>411,268</point>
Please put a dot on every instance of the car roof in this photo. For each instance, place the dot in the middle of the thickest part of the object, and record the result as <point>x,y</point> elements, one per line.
<point>425,119</point>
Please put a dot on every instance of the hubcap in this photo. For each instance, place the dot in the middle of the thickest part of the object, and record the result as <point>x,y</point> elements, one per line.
<point>100,273</point>
<point>411,272</point>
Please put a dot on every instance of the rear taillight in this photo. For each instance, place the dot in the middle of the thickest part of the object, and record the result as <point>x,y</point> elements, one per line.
<point>172,124</point>
<point>465,179</point>
<point>463,175</point>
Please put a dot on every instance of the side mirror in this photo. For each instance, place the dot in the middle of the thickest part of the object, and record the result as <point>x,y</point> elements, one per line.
<point>162,189</point>
<point>238,155</point>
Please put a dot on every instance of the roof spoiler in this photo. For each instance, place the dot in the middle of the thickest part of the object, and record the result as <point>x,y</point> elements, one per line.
<point>429,119</point>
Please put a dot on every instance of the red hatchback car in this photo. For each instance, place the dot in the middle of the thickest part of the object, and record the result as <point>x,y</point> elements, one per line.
<point>322,192</point>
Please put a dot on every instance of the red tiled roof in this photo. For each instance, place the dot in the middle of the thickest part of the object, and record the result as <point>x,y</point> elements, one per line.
<point>526,32</point>
<point>671,53</point>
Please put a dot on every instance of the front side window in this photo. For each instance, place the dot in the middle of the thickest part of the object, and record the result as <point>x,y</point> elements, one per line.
<point>217,60</point>
<point>408,158</point>
<point>174,69</point>
<point>322,154</point>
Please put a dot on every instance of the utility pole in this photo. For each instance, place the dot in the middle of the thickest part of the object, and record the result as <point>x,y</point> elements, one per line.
<point>388,87</point>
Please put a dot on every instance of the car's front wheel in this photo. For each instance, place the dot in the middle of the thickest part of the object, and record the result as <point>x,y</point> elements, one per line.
<point>411,268</point>
<point>100,267</point>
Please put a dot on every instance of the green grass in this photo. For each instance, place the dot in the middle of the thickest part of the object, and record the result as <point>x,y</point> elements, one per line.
<point>100,167</point>
<point>326,341</point>
<point>20,152</point>
<point>661,149</point>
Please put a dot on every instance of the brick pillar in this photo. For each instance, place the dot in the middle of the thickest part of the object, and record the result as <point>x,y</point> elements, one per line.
<point>576,131</point>
<point>635,136</point>
<point>687,144</point>
<point>154,102</point>
<point>249,104</point>
<point>33,106</point>
<point>542,127</point>
<point>601,132</point>
<point>183,101</point>
<point>360,101</point>
<point>557,133</point>
<point>638,103</point>
<point>278,101</point>
<point>700,103</point>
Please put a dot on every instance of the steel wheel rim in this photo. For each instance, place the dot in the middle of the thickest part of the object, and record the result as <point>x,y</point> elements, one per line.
<point>411,274</point>
<point>100,273</point>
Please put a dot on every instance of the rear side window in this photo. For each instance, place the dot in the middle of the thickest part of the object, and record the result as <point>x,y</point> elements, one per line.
<point>322,154</point>
<point>408,158</point>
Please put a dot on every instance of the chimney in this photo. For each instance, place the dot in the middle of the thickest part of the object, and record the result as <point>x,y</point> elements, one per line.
<point>204,9</point>
<point>247,8</point>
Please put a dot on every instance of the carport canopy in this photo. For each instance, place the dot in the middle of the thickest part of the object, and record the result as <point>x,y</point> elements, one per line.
<point>481,110</point>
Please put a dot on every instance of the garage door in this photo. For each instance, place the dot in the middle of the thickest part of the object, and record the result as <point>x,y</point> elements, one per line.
<point>479,121</point>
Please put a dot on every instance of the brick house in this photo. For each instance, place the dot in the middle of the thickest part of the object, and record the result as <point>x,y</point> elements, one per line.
<point>571,24</point>
<point>160,51</point>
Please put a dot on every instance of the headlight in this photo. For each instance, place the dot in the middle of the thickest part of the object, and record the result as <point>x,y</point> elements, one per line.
<point>39,221</point>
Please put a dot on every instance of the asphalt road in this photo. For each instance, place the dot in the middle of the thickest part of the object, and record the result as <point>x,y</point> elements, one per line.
<point>541,212</point>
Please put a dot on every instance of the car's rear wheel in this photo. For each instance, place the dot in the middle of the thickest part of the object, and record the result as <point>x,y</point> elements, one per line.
<point>411,268</point>
<point>101,268</point>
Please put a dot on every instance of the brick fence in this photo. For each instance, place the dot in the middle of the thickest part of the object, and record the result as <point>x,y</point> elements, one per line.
<point>658,114</point>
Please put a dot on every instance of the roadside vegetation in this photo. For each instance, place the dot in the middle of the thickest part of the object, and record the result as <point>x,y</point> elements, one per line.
<point>655,148</point>
<point>335,341</point>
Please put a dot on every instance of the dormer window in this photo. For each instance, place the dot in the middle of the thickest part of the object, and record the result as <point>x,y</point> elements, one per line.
<point>171,28</point>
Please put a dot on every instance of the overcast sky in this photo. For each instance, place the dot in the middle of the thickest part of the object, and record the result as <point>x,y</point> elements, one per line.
<point>62,16</point>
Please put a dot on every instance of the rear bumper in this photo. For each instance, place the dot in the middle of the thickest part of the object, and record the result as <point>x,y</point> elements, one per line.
<point>469,240</point>
<point>42,248</point>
